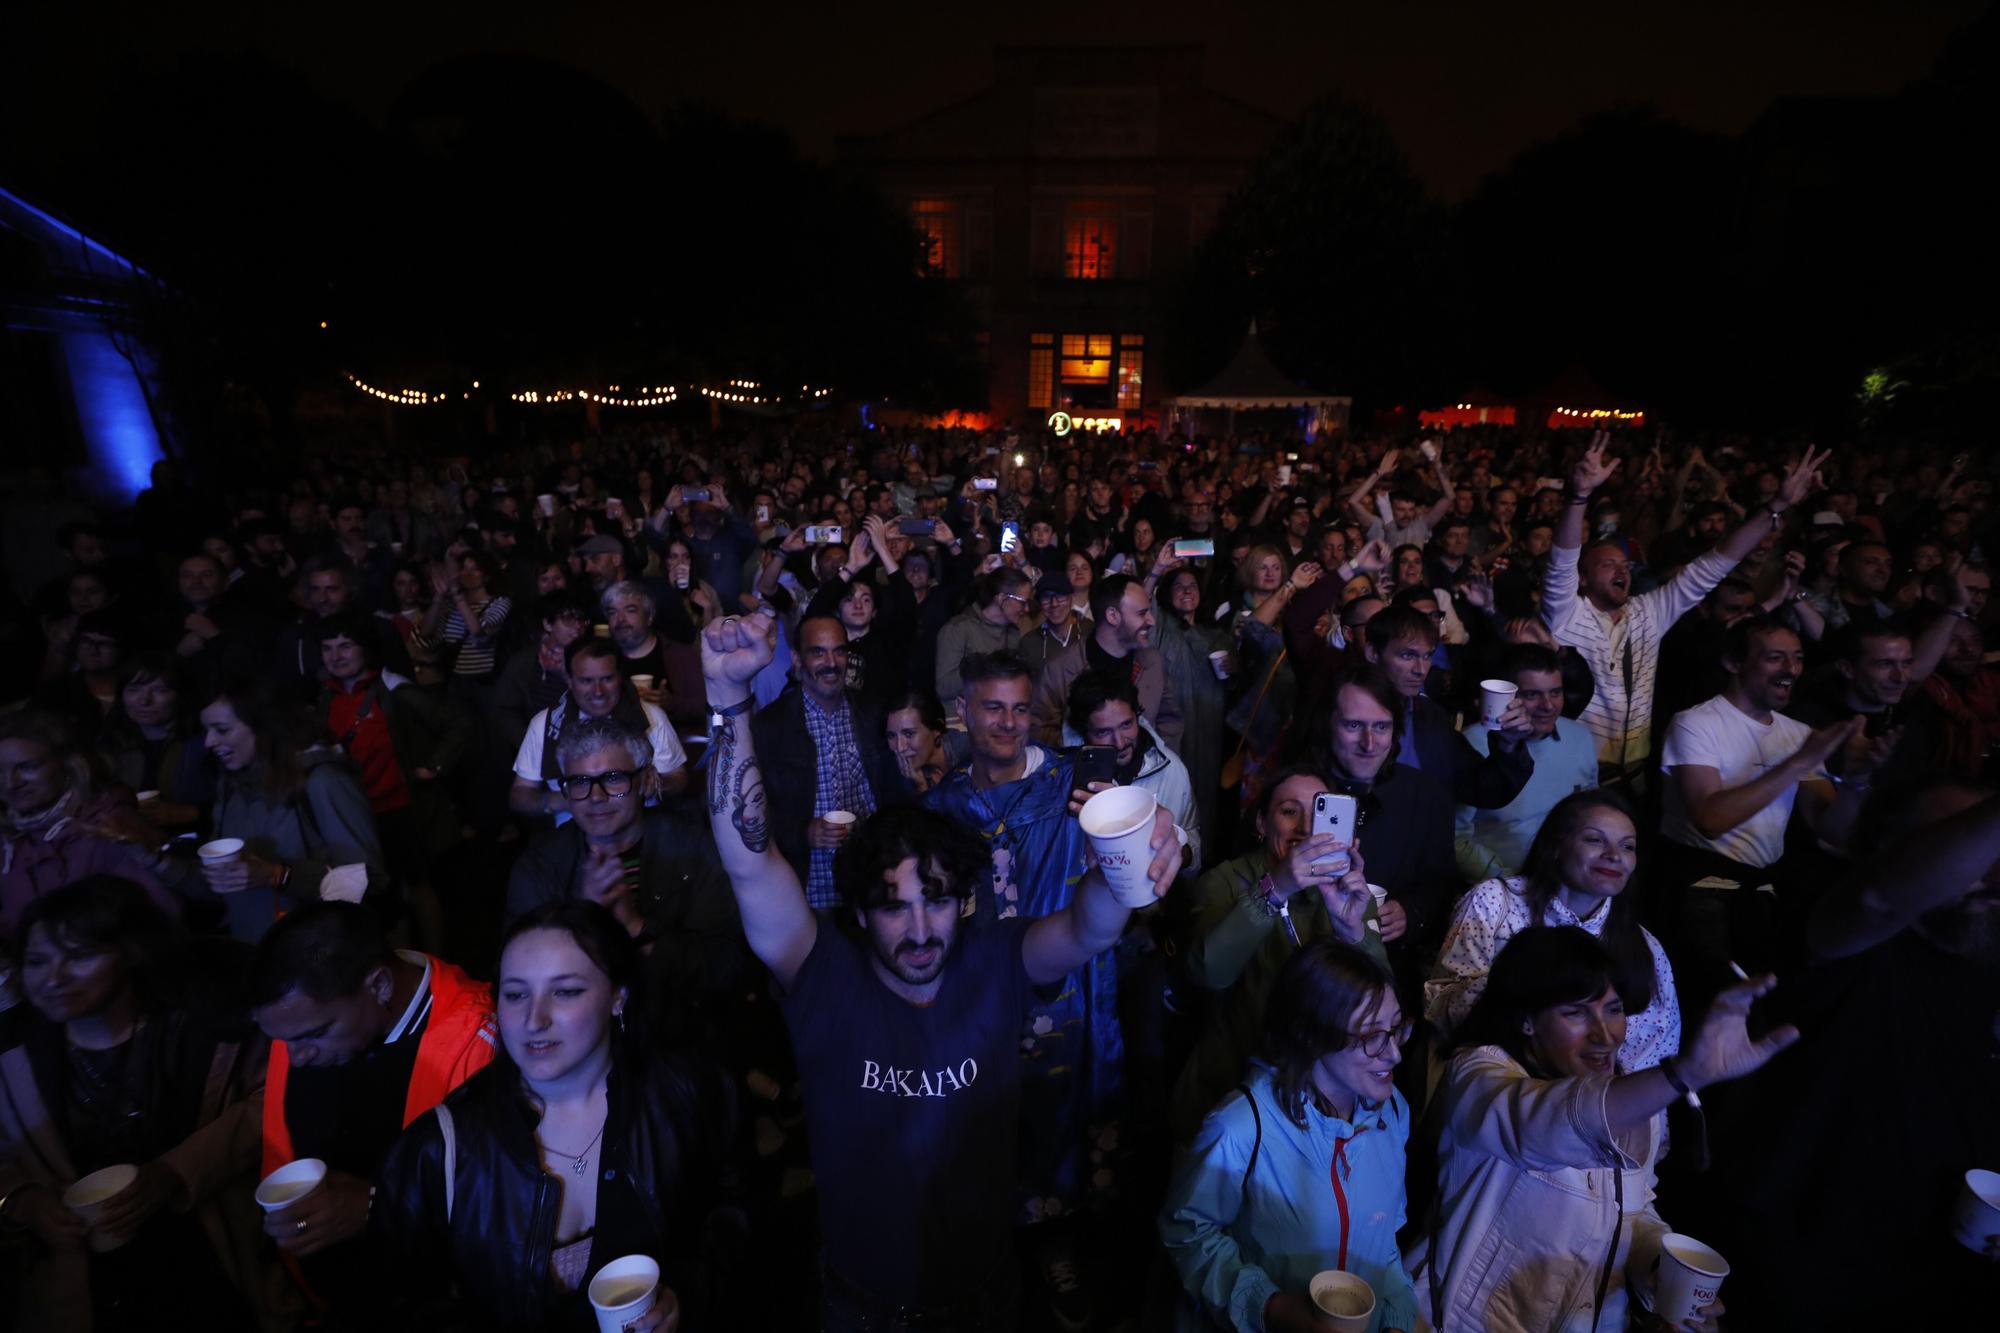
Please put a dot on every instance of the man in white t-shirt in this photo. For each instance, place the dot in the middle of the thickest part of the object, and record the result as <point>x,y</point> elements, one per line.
<point>596,689</point>
<point>1735,767</point>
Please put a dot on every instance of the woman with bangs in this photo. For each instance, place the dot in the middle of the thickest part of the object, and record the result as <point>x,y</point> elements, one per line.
<point>1545,1215</point>
<point>151,740</point>
<point>1301,1169</point>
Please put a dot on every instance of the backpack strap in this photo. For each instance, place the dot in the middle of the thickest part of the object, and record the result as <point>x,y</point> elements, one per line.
<point>1256,1145</point>
<point>449,1132</point>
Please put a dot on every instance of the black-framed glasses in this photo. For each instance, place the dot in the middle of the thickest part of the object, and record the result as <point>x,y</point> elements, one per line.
<point>1375,1045</point>
<point>616,783</point>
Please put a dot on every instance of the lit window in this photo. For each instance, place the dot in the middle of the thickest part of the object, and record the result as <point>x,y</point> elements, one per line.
<point>936,221</point>
<point>1090,241</point>
<point>1086,358</point>
<point>1041,369</point>
<point>1131,371</point>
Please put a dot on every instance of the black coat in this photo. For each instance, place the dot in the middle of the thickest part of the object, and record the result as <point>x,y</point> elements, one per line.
<point>1406,834</point>
<point>790,764</point>
<point>662,1176</point>
<point>1484,781</point>
<point>698,953</point>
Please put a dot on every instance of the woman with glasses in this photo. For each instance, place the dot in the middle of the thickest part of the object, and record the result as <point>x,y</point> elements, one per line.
<point>1301,1168</point>
<point>1545,1215</point>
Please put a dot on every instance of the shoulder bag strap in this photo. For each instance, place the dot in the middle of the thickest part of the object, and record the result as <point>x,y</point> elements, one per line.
<point>1256,1145</point>
<point>1257,703</point>
<point>449,1132</point>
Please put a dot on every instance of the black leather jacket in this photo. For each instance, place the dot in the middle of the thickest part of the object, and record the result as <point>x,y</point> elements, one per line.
<point>484,1262</point>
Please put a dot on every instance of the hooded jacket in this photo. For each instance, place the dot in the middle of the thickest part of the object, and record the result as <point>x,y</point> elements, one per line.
<point>1260,1203</point>
<point>1162,773</point>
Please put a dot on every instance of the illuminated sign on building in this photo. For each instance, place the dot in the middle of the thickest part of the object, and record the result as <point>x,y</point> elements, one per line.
<point>1062,423</point>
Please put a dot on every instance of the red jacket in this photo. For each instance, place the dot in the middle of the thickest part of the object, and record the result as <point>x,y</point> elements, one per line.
<point>458,1042</point>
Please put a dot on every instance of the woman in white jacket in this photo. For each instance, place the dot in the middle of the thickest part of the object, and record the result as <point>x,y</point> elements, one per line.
<point>1545,1216</point>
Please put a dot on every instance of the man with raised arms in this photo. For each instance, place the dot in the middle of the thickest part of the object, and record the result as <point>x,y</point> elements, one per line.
<point>907,1028</point>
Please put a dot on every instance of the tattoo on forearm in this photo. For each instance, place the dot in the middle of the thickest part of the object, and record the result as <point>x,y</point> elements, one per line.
<point>749,814</point>
<point>721,760</point>
<point>736,786</point>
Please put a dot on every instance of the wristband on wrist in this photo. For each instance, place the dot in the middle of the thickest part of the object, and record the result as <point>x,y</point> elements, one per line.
<point>1680,1085</point>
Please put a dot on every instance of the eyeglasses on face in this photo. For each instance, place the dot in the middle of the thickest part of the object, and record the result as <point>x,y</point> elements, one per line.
<point>1375,1045</point>
<point>615,784</point>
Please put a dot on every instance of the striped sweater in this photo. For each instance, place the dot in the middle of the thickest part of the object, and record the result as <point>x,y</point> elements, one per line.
<point>1620,715</point>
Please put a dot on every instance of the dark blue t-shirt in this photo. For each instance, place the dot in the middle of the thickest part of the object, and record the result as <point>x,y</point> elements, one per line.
<point>912,1112</point>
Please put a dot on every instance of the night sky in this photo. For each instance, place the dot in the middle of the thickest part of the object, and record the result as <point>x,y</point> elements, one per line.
<point>1463,86</point>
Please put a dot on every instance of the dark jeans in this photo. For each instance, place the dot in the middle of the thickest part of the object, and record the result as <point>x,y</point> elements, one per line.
<point>1705,927</point>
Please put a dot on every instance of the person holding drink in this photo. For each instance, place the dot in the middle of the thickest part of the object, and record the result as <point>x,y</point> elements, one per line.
<point>1301,1169</point>
<point>1545,1213</point>
<point>578,1146</point>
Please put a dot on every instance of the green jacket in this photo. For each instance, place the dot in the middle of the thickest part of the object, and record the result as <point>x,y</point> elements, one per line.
<point>1233,948</point>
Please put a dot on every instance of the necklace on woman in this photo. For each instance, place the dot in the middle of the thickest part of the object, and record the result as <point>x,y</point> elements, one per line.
<point>579,1163</point>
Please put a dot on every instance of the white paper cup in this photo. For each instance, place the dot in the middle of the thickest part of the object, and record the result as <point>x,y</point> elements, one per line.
<point>838,817</point>
<point>623,1290</point>
<point>1218,662</point>
<point>290,1183</point>
<point>146,797</point>
<point>1978,1212</point>
<point>1381,896</point>
<point>1342,1302</point>
<point>1495,696</point>
<point>548,504</point>
<point>1119,823</point>
<point>1690,1277</point>
<point>220,850</point>
<point>89,1195</point>
<point>643,681</point>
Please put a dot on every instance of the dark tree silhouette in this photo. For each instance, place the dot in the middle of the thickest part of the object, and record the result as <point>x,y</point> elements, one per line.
<point>1335,248</point>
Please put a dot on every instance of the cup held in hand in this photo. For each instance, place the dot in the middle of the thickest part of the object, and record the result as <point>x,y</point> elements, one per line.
<point>1690,1277</point>
<point>1119,823</point>
<point>1978,1212</point>
<point>623,1291</point>
<point>87,1197</point>
<point>290,1183</point>
<point>642,681</point>
<point>1495,697</point>
<point>219,850</point>
<point>1218,662</point>
<point>1342,1302</point>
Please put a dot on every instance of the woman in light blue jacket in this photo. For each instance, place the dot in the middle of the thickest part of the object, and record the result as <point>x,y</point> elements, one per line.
<point>1301,1169</point>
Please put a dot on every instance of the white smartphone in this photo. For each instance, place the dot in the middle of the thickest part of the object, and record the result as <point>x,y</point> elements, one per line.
<point>1335,814</point>
<point>816,536</point>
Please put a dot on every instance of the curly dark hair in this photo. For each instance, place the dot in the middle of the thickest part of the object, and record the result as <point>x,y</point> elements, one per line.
<point>951,858</point>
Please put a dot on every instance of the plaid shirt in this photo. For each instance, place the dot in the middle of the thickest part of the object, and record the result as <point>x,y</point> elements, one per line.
<point>842,785</point>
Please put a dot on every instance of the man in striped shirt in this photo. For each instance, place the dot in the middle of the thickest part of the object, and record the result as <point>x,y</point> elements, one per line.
<point>1588,603</point>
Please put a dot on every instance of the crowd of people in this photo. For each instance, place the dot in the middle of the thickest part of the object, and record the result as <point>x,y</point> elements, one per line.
<point>668,843</point>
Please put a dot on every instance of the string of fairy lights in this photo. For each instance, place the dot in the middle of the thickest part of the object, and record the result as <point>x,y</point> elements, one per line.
<point>746,392</point>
